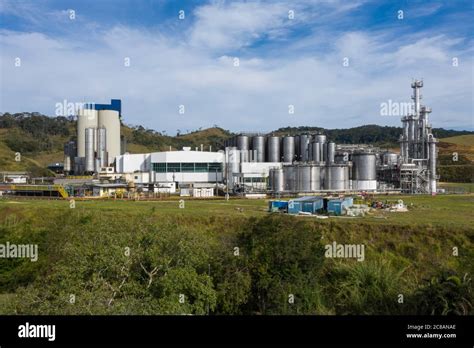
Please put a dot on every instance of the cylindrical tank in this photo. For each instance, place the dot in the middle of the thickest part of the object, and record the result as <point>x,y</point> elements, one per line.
<point>102,147</point>
<point>389,158</point>
<point>363,166</point>
<point>320,138</point>
<point>304,145</point>
<point>89,146</point>
<point>243,144</point>
<point>232,164</point>
<point>331,152</point>
<point>276,179</point>
<point>303,178</point>
<point>67,163</point>
<point>289,178</point>
<point>109,119</point>
<point>337,177</point>
<point>315,178</point>
<point>258,145</point>
<point>273,152</point>
<point>86,118</point>
<point>288,149</point>
<point>316,153</point>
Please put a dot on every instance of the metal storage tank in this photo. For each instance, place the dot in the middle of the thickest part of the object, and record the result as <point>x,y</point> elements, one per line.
<point>102,147</point>
<point>303,178</point>
<point>258,145</point>
<point>316,152</point>
<point>364,167</point>
<point>243,144</point>
<point>320,138</point>
<point>232,157</point>
<point>297,148</point>
<point>337,177</point>
<point>288,149</point>
<point>304,145</point>
<point>315,183</point>
<point>89,144</point>
<point>67,163</point>
<point>109,119</point>
<point>276,179</point>
<point>273,153</point>
<point>289,178</point>
<point>331,152</point>
<point>390,158</point>
<point>86,118</point>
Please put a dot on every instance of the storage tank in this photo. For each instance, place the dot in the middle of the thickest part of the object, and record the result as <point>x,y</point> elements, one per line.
<point>303,178</point>
<point>364,171</point>
<point>289,178</point>
<point>316,151</point>
<point>86,118</point>
<point>276,180</point>
<point>432,162</point>
<point>109,119</point>
<point>337,177</point>
<point>315,177</point>
<point>331,152</point>
<point>258,145</point>
<point>243,144</point>
<point>232,164</point>
<point>389,158</point>
<point>288,149</point>
<point>89,164</point>
<point>321,139</point>
<point>304,145</point>
<point>273,153</point>
<point>102,147</point>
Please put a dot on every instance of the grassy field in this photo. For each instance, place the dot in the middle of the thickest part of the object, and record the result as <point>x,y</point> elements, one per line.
<point>191,250</point>
<point>466,140</point>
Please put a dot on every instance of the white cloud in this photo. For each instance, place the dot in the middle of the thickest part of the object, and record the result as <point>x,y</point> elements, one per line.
<point>200,74</point>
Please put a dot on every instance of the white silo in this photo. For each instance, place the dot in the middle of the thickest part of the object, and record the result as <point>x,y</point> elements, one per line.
<point>86,118</point>
<point>109,119</point>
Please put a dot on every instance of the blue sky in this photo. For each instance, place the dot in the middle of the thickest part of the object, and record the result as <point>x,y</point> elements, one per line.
<point>282,61</point>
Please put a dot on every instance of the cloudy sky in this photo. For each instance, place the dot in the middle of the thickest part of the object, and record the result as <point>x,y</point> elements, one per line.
<point>241,65</point>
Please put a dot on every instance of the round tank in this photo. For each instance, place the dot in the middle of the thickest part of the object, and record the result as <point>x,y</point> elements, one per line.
<point>304,144</point>
<point>102,147</point>
<point>109,119</point>
<point>331,152</point>
<point>67,163</point>
<point>243,142</point>
<point>315,183</point>
<point>320,138</point>
<point>289,178</point>
<point>316,151</point>
<point>288,149</point>
<point>390,158</point>
<point>303,178</point>
<point>276,179</point>
<point>337,177</point>
<point>363,166</point>
<point>86,118</point>
<point>258,145</point>
<point>89,144</point>
<point>273,153</point>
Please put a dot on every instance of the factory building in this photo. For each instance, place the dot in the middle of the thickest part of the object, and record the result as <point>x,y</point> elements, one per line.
<point>255,163</point>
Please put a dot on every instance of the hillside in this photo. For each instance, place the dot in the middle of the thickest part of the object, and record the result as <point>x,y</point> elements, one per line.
<point>40,139</point>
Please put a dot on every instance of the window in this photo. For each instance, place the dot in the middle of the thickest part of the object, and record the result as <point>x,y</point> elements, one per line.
<point>215,166</point>
<point>200,167</point>
<point>159,167</point>
<point>174,167</point>
<point>187,167</point>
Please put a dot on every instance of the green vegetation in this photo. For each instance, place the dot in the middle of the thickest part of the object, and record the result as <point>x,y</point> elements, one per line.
<point>233,257</point>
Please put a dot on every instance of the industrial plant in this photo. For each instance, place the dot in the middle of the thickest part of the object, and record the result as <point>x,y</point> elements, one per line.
<point>96,163</point>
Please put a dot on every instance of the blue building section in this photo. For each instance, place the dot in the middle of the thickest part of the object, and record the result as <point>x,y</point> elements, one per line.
<point>115,104</point>
<point>276,206</point>
<point>308,204</point>
<point>336,206</point>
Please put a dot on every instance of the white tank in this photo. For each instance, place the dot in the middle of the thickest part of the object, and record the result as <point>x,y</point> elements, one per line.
<point>89,144</point>
<point>102,147</point>
<point>109,119</point>
<point>86,118</point>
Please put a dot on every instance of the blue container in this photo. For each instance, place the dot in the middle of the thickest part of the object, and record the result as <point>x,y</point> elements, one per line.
<point>277,205</point>
<point>308,204</point>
